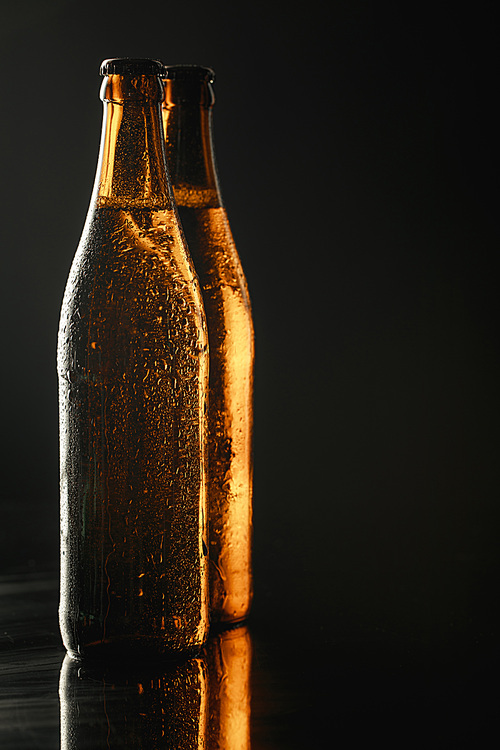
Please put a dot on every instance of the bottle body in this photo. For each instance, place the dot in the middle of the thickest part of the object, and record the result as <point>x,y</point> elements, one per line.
<point>133,369</point>
<point>191,164</point>
<point>229,490</point>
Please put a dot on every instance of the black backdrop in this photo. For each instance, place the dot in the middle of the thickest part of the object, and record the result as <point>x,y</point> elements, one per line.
<point>357,150</point>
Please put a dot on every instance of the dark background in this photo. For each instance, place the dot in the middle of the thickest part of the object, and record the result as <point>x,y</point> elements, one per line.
<point>358,156</point>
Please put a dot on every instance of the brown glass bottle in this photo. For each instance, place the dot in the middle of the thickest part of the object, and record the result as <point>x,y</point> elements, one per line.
<point>133,380</point>
<point>187,118</point>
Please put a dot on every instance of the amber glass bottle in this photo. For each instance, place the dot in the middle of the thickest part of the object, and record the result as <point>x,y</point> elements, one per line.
<point>133,381</point>
<point>187,119</point>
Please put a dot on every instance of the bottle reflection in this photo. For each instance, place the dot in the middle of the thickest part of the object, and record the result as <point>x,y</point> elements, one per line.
<point>201,704</point>
<point>133,710</point>
<point>229,657</point>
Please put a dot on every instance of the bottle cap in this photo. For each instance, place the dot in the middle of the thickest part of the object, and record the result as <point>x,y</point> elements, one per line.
<point>189,73</point>
<point>132,66</point>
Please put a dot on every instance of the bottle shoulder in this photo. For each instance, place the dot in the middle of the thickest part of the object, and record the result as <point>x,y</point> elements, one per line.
<point>217,263</point>
<point>127,247</point>
<point>211,244</point>
<point>132,281</point>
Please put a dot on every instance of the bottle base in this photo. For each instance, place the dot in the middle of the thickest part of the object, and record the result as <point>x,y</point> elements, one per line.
<point>126,652</point>
<point>219,626</point>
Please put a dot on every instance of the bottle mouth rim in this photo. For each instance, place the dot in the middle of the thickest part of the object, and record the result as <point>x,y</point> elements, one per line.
<point>189,73</point>
<point>132,66</point>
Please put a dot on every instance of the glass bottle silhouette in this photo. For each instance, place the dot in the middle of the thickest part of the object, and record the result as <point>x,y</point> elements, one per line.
<point>133,380</point>
<point>187,119</point>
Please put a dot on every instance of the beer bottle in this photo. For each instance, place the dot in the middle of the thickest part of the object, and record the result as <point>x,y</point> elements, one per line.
<point>187,120</point>
<point>133,381</point>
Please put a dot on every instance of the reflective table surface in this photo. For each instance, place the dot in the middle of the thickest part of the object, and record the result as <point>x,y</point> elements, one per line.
<point>256,686</point>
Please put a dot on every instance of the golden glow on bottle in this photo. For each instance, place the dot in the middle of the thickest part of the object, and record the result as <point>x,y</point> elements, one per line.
<point>187,124</point>
<point>133,377</point>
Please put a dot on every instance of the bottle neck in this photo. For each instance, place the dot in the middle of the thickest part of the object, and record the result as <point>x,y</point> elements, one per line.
<point>131,171</point>
<point>187,124</point>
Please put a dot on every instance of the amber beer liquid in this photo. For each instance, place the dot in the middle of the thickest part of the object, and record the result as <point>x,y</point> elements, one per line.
<point>133,378</point>
<point>187,118</point>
